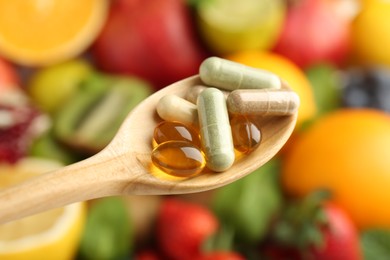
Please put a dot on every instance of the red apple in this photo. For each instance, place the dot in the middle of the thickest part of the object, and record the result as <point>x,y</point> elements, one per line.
<point>317,31</point>
<point>152,39</point>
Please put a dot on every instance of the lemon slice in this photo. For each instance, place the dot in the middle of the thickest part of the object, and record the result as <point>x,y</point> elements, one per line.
<point>54,234</point>
<point>43,32</point>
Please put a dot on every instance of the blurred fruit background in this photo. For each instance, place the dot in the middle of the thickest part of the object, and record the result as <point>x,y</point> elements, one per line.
<point>70,71</point>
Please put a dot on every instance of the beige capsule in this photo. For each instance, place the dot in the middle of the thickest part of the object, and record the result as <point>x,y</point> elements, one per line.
<point>262,102</point>
<point>174,108</point>
<point>193,93</point>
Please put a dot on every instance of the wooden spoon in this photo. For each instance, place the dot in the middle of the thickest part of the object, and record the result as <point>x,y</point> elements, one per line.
<point>124,167</point>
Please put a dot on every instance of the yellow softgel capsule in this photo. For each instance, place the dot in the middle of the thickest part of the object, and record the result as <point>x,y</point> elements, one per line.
<point>174,108</point>
<point>276,102</point>
<point>175,131</point>
<point>229,75</point>
<point>178,158</point>
<point>246,134</point>
<point>215,131</point>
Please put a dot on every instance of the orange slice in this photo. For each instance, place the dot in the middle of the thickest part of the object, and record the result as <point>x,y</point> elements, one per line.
<point>42,32</point>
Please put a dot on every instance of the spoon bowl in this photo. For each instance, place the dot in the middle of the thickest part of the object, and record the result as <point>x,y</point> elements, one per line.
<point>124,167</point>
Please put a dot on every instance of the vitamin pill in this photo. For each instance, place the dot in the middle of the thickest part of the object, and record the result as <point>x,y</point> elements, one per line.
<point>193,93</point>
<point>262,102</point>
<point>174,108</point>
<point>246,134</point>
<point>175,131</point>
<point>179,158</point>
<point>215,131</point>
<point>229,75</point>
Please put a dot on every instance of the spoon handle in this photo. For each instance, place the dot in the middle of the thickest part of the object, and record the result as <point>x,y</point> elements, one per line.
<point>85,180</point>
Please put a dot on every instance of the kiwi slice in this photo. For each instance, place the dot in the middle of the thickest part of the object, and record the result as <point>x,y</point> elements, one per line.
<point>46,146</point>
<point>91,118</point>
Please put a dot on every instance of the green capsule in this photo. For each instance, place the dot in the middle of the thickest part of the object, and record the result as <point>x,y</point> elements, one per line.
<point>215,131</point>
<point>193,93</point>
<point>229,75</point>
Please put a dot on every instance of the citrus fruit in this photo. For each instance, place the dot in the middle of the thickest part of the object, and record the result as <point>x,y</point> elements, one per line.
<point>51,86</point>
<point>288,71</point>
<point>345,151</point>
<point>36,32</point>
<point>54,234</point>
<point>230,25</point>
<point>371,33</point>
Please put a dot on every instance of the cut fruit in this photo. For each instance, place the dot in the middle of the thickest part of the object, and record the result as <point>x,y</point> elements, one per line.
<point>228,26</point>
<point>20,123</point>
<point>54,234</point>
<point>51,86</point>
<point>91,117</point>
<point>42,32</point>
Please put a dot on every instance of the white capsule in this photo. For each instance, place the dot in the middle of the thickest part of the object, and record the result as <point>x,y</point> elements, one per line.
<point>174,108</point>
<point>229,75</point>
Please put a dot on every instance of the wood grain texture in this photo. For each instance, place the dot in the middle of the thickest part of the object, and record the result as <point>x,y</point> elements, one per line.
<point>124,167</point>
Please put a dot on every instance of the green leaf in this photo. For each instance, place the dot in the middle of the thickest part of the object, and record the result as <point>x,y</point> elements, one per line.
<point>376,244</point>
<point>223,240</point>
<point>249,204</point>
<point>108,233</point>
<point>326,85</point>
<point>301,222</point>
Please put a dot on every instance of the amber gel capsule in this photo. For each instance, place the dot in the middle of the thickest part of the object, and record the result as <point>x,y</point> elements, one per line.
<point>263,102</point>
<point>174,108</point>
<point>178,158</point>
<point>229,75</point>
<point>175,131</point>
<point>246,134</point>
<point>215,131</point>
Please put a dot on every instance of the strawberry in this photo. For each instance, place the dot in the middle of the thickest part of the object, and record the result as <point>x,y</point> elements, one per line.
<point>146,255</point>
<point>340,237</point>
<point>221,255</point>
<point>182,227</point>
<point>314,229</point>
<point>273,251</point>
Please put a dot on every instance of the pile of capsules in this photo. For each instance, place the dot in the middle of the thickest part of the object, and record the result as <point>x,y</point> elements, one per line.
<point>204,128</point>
